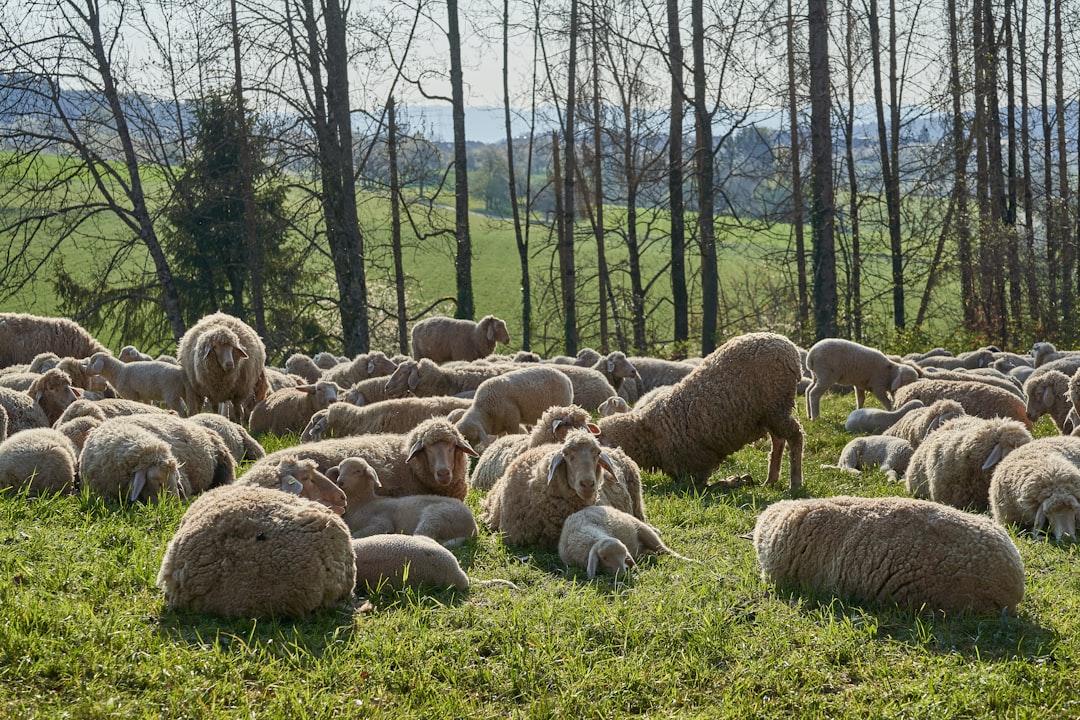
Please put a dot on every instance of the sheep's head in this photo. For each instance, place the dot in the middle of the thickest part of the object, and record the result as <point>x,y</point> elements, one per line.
<point>617,365</point>
<point>129,353</point>
<point>471,429</point>
<point>316,427</point>
<point>609,555</point>
<point>1011,434</point>
<point>405,378</point>
<point>443,449</point>
<point>943,412</point>
<point>902,374</point>
<point>612,406</point>
<point>356,478</point>
<point>224,347</point>
<point>581,462</point>
<point>302,477</point>
<point>158,476</point>
<point>323,393</point>
<point>53,392</point>
<point>379,365</point>
<point>494,329</point>
<point>557,421</point>
<point>1060,511</point>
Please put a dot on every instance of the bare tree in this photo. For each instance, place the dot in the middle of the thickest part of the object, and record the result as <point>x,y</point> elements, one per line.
<point>822,215</point>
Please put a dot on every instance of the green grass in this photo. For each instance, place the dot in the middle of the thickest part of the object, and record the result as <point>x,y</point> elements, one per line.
<point>84,632</point>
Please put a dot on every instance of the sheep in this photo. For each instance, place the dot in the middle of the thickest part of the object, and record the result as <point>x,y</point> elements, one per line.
<point>1006,362</point>
<point>301,476</point>
<point>448,520</point>
<point>954,464</point>
<point>1044,352</point>
<point>289,410</point>
<point>224,360</point>
<point>23,336</point>
<point>425,378</point>
<point>1048,393</point>
<point>504,403</point>
<point>242,446</point>
<point>40,460</point>
<point>397,415</point>
<point>921,555</point>
<point>977,399</point>
<point>586,357</point>
<point>147,381</point>
<point>325,360</point>
<point>431,459</point>
<point>303,366</point>
<point>918,357</point>
<point>600,538</point>
<point>1038,486</point>
<point>21,410</point>
<point>657,372</point>
<point>891,454</point>
<point>542,487</point>
<point>130,466</point>
<point>974,359</point>
<point>612,406</point>
<point>617,369</point>
<point>362,367</point>
<point>835,361</point>
<point>52,392</point>
<point>107,408</point>
<point>915,425</point>
<point>130,353</point>
<point>77,429</point>
<point>657,393</point>
<point>874,420</point>
<point>396,562</point>
<point>255,552</point>
<point>982,375</point>
<point>590,386</point>
<point>743,390</point>
<point>441,339</point>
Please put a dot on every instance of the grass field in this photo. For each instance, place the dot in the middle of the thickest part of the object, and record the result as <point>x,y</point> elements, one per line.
<point>85,633</point>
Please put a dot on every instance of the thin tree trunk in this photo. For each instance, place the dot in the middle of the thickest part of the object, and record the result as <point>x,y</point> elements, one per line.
<point>395,228</point>
<point>1030,262</point>
<point>1068,247</point>
<point>463,258</point>
<point>602,276</point>
<point>1051,316</point>
<point>853,182</point>
<point>703,163</point>
<point>679,295</point>
<point>960,151</point>
<point>519,237</point>
<point>566,238</point>
<point>822,214</point>
<point>796,180</point>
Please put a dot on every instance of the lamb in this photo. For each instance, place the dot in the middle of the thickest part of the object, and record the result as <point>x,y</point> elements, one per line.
<point>977,399</point>
<point>289,410</point>
<point>21,410</point>
<point>891,454</point>
<point>657,372</point>
<point>920,422</point>
<point>425,378</point>
<point>362,367</point>
<point>130,353</point>
<point>442,339</point>
<point>399,561</point>
<point>874,420</point>
<point>918,554</point>
<point>504,403</point>
<point>980,358</point>
<point>40,461</point>
<point>590,386</point>
<point>301,476</point>
<point>242,446</point>
<point>23,336</point>
<point>600,538</point>
<point>1044,352</point>
<point>147,381</point>
<point>224,360</point>
<point>303,366</point>
<point>543,487</point>
<point>954,464</point>
<point>130,466</point>
<point>835,361</point>
<point>107,408</point>
<point>325,360</point>
<point>397,415</point>
<point>1038,487</point>
<point>1048,393</point>
<point>255,552</point>
<point>447,520</point>
<point>612,406</point>
<point>52,392</point>
<point>741,391</point>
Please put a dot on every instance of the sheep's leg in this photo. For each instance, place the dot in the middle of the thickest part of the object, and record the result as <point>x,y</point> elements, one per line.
<point>884,399</point>
<point>813,398</point>
<point>791,434</point>
<point>860,397</point>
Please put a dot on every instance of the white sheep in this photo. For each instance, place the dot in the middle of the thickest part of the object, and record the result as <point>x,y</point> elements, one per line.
<point>875,420</point>
<point>130,466</point>
<point>442,338</point>
<point>289,410</point>
<point>23,336</point>
<point>1044,352</point>
<point>77,429</point>
<point>396,562</point>
<point>21,410</point>
<point>918,554</point>
<point>600,538</point>
<point>106,408</point>
<point>147,381</point>
<point>836,361</point>
<point>980,358</point>
<point>301,476</point>
<point>654,373</point>
<point>1048,394</point>
<point>986,376</point>
<point>891,454</point>
<point>362,367</point>
<point>38,460</point>
<point>1038,486</point>
<point>52,392</point>
<point>504,403</point>
<point>448,520</point>
<point>130,353</point>
<point>242,446</point>
<point>590,386</point>
<point>979,399</point>
<point>303,366</point>
<point>225,360</point>
<point>613,406</point>
<point>425,378</point>
<point>257,552</point>
<point>396,415</point>
<point>3,423</point>
<point>916,424</point>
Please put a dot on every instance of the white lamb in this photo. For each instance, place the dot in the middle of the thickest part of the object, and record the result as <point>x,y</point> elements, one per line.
<point>835,361</point>
<point>504,403</point>
<point>147,381</point>
<point>601,538</point>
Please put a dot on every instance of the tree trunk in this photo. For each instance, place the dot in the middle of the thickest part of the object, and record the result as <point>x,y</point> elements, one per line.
<point>463,259</point>
<point>960,150</point>
<point>395,227</point>
<point>822,214</point>
<point>679,296</point>
<point>703,164</point>
<point>567,272</point>
<point>803,318</point>
<point>602,276</point>
<point>1068,247</point>
<point>855,281</point>
<point>511,171</point>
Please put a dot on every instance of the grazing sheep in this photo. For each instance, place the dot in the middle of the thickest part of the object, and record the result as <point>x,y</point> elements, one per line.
<point>875,420</point>
<point>918,357</point>
<point>1048,393</point>
<point>448,520</point>
<point>130,353</point>
<point>396,415</point>
<point>131,465</point>
<point>542,487</point>
<point>656,372</point>
<point>740,392</point>
<point>21,410</point>
<point>442,339</point>
<point>23,336</point>
<point>242,446</point>
<point>977,399</point>
<point>40,460</point>
<point>915,425</point>
<point>891,454</point>
<point>289,410</point>
<point>107,408</point>
<point>303,366</point>
<point>981,375</point>
<point>613,406</point>
<point>504,403</point>
<point>600,538</point>
<point>917,554</point>
<point>835,361</point>
<point>224,360</point>
<point>953,464</point>
<point>425,378</point>
<point>362,367</point>
<point>653,395</point>
<point>256,552</point>
<point>77,429</point>
<point>52,392</point>
<point>147,381</point>
<point>396,562</point>
<point>1038,486</point>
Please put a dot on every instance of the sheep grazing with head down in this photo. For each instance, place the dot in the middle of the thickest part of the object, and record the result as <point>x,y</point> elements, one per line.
<point>504,403</point>
<point>918,554</point>
<point>875,420</point>
<point>257,552</point>
<point>242,446</point>
<point>743,390</point>
<point>979,399</point>
<point>23,336</point>
<point>289,410</point>
<point>396,561</point>
<point>917,424</point>
<point>835,361</point>
<point>224,359</point>
<point>39,460</point>
<point>130,466</point>
<point>1037,487</point>
<point>604,539</point>
<point>396,415</point>
<point>442,339</point>
<point>891,454</point>
<point>424,378</point>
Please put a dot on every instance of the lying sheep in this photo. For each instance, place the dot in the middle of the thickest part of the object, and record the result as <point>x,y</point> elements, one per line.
<point>289,410</point>
<point>147,381</point>
<point>77,429</point>
<point>447,520</point>
<point>1038,487</point>
<point>977,399</point>
<point>980,358</point>
<point>256,552</point>
<point>916,424</point>
<point>954,464</point>
<point>918,554</point>
<point>590,387</point>
<point>362,367</point>
<point>21,410</point>
<point>613,406</point>
<point>107,408</point>
<point>23,336</point>
<point>396,562</point>
<point>1044,352</point>
<point>442,339</point>
<point>740,392</point>
<point>979,375</point>
<point>303,366</point>
<point>504,403</point>
<point>224,359</point>
<point>874,420</point>
<point>425,378</point>
<point>543,487</point>
<point>301,476</point>
<point>3,423</point>
<point>1048,394</point>
<point>325,360</point>
<point>52,392</point>
<point>242,446</point>
<point>130,466</point>
<point>396,415</point>
<point>40,461</point>
<point>600,538</point>
<point>835,361</point>
<point>891,454</point>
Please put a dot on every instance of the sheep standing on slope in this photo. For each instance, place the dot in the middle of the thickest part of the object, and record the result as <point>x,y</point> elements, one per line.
<point>40,460</point>
<point>504,403</point>
<point>224,360</point>
<point>23,336</point>
<point>740,392</point>
<point>835,361</point>
<point>290,409</point>
<point>442,339</point>
<point>147,381</point>
<point>1038,486</point>
<point>600,538</point>
<point>396,415</point>
<point>918,554</point>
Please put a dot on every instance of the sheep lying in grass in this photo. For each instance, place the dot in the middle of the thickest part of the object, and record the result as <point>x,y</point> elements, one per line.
<point>835,361</point>
<point>107,408</point>
<point>915,425</point>
<point>40,460</point>
<point>980,358</point>
<point>77,429</point>
<point>743,390</point>
<point>603,539</point>
<point>23,336</point>
<point>362,367</point>
<point>289,410</point>
<point>875,420</point>
<point>303,366</point>
<point>613,406</point>
<point>448,520</point>
<point>130,466</point>
<point>1044,352</point>
<point>504,403</point>
<point>242,446</point>
<point>224,359</point>
<point>442,339</point>
<point>891,454</point>
<point>918,554</point>
<point>1048,394</point>
<point>301,476</point>
<point>977,399</point>
<point>425,378</point>
<point>397,415</point>
<point>986,376</point>
<point>255,552</point>
<point>147,381</point>
<point>52,392</point>
<point>21,410</point>
<point>1038,487</point>
<point>395,562</point>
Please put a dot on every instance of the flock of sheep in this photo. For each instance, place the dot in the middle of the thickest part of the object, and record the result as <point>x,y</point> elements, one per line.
<point>373,494</point>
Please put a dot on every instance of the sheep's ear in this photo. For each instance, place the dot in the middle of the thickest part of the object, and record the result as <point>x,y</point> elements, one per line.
<point>593,428</point>
<point>994,457</point>
<point>555,425</point>
<point>370,366</point>
<point>291,485</point>
<point>77,391</point>
<point>594,560</point>
<point>556,460</point>
<point>209,349</point>
<point>414,378</point>
<point>417,447</point>
<point>611,366</point>
<point>630,561</point>
<point>1048,397</point>
<point>309,389</point>
<point>98,365</point>
<point>466,448</point>
<point>333,473</point>
<point>38,395</point>
<point>1040,520</point>
<point>137,485</point>
<point>240,351</point>
<point>490,330</point>
<point>898,376</point>
<point>605,462</point>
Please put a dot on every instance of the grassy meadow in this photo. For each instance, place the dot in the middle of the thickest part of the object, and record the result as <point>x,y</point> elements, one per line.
<point>85,633</point>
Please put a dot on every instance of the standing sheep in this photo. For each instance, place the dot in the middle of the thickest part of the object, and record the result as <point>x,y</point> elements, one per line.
<point>875,420</point>
<point>224,360</point>
<point>1038,487</point>
<point>917,554</point>
<point>396,415</point>
<point>740,392</point>
<point>289,410</point>
<point>257,552</point>
<point>442,339</point>
<point>147,381</point>
<point>40,460</point>
<point>835,361</point>
<point>979,399</point>
<point>23,336</point>
<point>504,403</point>
<point>600,538</point>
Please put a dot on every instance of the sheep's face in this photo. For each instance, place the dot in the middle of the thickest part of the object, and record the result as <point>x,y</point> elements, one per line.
<point>316,427</point>
<point>1061,512</point>
<point>355,477</point>
<point>581,463</point>
<point>303,478</point>
<point>610,556</point>
<point>151,482</point>
<point>442,456</point>
<point>613,406</point>
<point>227,354</point>
<point>404,378</point>
<point>618,366</point>
<point>379,365</point>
